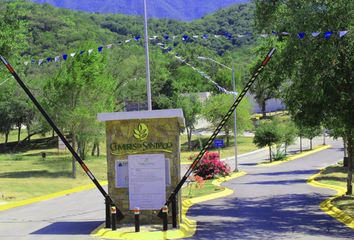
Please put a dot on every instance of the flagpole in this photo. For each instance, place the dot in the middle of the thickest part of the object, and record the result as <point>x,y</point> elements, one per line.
<point>147,59</point>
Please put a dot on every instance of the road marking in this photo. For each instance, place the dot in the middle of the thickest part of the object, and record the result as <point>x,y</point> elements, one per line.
<point>293,157</point>
<point>47,197</point>
<point>327,205</point>
<point>188,227</point>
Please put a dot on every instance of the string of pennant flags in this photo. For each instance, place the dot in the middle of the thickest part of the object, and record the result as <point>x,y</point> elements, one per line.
<point>186,38</point>
<point>203,74</point>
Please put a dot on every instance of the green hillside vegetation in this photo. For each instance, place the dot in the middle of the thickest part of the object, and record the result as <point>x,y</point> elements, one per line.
<point>74,91</point>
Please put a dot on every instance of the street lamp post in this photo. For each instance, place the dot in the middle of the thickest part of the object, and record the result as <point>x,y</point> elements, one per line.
<point>147,59</point>
<point>234,90</point>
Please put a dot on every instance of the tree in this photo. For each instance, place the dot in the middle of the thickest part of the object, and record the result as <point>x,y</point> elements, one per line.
<point>267,134</point>
<point>310,132</point>
<point>80,90</point>
<point>317,72</point>
<point>217,106</point>
<point>289,133</point>
<point>191,109</point>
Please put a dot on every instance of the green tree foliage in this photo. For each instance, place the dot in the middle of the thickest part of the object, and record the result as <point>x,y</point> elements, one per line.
<point>309,132</point>
<point>317,73</point>
<point>12,27</point>
<point>191,107</point>
<point>289,133</point>
<point>217,106</point>
<point>80,90</point>
<point>268,134</point>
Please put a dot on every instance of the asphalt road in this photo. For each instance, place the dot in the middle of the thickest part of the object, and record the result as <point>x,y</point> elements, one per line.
<point>268,203</point>
<point>273,203</point>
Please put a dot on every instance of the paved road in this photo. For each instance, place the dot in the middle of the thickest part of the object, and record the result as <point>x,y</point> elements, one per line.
<point>73,216</point>
<point>268,203</point>
<point>273,203</point>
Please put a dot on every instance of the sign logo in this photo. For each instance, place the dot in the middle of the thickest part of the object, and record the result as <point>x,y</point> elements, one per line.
<point>142,132</point>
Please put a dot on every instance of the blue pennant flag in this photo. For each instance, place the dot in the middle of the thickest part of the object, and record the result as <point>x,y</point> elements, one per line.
<point>33,61</point>
<point>65,56</point>
<point>228,35</point>
<point>274,33</point>
<point>185,38</point>
<point>301,35</point>
<point>205,36</point>
<point>137,38</point>
<point>82,52</point>
<point>100,49</point>
<point>166,37</point>
<point>327,35</point>
<point>49,59</point>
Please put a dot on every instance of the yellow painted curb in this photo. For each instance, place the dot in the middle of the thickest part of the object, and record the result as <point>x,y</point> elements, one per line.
<point>49,196</point>
<point>327,205</point>
<point>293,157</point>
<point>188,227</point>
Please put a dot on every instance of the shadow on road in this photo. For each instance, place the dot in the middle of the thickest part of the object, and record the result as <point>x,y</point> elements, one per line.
<point>68,228</point>
<point>296,215</point>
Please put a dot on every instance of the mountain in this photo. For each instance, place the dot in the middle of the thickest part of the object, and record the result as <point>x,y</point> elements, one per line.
<point>185,10</point>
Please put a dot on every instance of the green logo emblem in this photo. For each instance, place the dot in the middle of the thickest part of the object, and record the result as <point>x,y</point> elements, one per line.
<point>142,132</point>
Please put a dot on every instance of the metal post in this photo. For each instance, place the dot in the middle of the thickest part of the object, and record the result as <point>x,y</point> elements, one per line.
<point>114,218</point>
<point>165,218</point>
<point>324,136</point>
<point>137,219</point>
<point>235,125</point>
<point>147,59</point>
<point>108,212</point>
<point>174,212</point>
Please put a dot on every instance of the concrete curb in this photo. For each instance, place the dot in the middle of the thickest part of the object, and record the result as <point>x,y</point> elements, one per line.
<point>294,157</point>
<point>49,196</point>
<point>327,205</point>
<point>187,228</point>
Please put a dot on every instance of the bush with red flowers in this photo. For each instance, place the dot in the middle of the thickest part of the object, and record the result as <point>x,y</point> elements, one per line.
<point>211,166</point>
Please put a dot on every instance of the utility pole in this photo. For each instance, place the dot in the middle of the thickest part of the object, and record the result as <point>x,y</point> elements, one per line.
<point>147,59</point>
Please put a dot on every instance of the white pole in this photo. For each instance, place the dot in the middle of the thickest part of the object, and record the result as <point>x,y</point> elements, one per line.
<point>147,59</point>
<point>235,125</point>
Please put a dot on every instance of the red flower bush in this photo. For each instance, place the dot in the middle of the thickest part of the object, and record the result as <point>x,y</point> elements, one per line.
<point>211,166</point>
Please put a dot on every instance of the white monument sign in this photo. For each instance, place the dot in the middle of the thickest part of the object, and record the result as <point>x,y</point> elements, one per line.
<point>147,183</point>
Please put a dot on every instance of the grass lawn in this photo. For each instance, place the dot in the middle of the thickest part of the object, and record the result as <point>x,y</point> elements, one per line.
<point>337,175</point>
<point>27,175</point>
<point>194,190</point>
<point>244,144</point>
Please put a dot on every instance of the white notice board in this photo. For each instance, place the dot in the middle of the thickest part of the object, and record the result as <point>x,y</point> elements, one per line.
<point>122,180</point>
<point>122,175</point>
<point>147,181</point>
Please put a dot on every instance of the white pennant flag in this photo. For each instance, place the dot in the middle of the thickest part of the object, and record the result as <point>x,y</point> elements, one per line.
<point>72,54</point>
<point>90,51</point>
<point>127,40</point>
<point>342,33</point>
<point>315,34</point>
<point>26,63</point>
<point>56,59</point>
<point>109,46</point>
<point>216,36</point>
<point>240,35</point>
<point>40,61</point>
<point>173,38</point>
<point>264,35</point>
<point>195,36</point>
